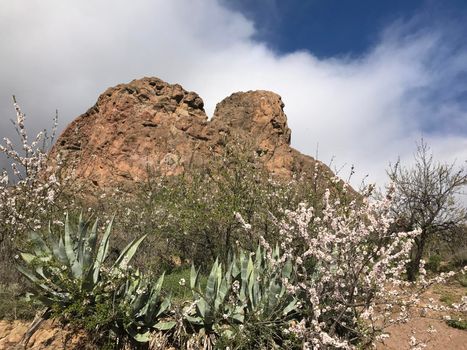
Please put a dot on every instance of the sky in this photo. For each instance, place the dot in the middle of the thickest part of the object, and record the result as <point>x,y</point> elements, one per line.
<point>362,81</point>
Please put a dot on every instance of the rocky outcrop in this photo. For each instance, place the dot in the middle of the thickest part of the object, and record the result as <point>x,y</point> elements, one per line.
<point>150,124</point>
<point>49,336</point>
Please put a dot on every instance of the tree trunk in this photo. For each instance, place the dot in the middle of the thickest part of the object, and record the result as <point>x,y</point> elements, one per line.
<point>413,267</point>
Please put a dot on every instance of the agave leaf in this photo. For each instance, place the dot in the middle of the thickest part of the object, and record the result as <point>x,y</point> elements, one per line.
<point>128,253</point>
<point>243,266</point>
<point>290,307</point>
<point>139,304</point>
<point>250,266</point>
<point>219,279</point>
<point>61,247</point>
<point>228,275</point>
<point>193,277</point>
<point>243,275</point>
<point>77,269</point>
<point>40,271</point>
<point>222,292</point>
<point>235,269</point>
<point>159,283</point>
<point>164,306</point>
<point>59,252</point>
<point>250,278</point>
<point>82,228</point>
<point>258,257</point>
<point>29,275</point>
<point>211,284</point>
<point>165,325</point>
<point>102,252</point>
<point>28,258</point>
<point>138,336</point>
<point>153,301</point>
<point>202,307</point>
<point>69,248</point>
<point>90,248</point>
<point>273,296</point>
<point>287,269</point>
<point>40,247</point>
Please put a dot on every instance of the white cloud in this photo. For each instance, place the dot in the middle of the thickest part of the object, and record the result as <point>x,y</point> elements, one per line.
<point>364,111</point>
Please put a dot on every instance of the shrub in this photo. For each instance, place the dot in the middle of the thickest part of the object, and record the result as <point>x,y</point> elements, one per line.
<point>434,263</point>
<point>459,324</point>
<point>350,268</point>
<point>29,196</point>
<point>191,218</point>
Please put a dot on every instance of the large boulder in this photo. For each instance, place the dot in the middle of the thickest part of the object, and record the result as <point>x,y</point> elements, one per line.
<point>149,124</point>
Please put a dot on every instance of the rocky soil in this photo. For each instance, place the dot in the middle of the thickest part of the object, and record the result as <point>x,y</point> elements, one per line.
<point>50,336</point>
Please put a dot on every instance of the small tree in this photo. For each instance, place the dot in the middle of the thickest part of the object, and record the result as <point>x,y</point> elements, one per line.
<point>425,198</point>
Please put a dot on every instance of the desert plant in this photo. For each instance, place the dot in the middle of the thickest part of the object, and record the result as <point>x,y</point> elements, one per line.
<point>263,307</point>
<point>69,276</point>
<point>209,304</point>
<point>73,264</point>
<point>144,306</point>
<point>248,298</point>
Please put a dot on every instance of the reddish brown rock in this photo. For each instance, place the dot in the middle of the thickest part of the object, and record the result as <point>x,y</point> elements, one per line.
<point>48,336</point>
<point>150,124</point>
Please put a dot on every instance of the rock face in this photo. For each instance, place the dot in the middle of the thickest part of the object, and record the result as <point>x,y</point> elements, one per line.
<point>48,336</point>
<point>150,124</point>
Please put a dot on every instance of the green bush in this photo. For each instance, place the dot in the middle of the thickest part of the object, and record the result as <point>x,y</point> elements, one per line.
<point>434,263</point>
<point>191,218</point>
<point>459,324</point>
<point>462,279</point>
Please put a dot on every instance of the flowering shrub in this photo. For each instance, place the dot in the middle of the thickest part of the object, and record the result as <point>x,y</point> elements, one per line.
<point>25,191</point>
<point>28,197</point>
<point>350,268</point>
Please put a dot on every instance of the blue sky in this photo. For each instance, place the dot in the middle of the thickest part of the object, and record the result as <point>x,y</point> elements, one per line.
<point>331,28</point>
<point>362,81</point>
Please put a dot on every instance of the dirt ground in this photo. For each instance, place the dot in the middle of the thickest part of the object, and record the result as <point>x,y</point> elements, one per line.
<point>51,337</point>
<point>444,337</point>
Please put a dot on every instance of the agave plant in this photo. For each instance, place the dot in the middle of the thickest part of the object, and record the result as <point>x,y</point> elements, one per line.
<point>262,292</point>
<point>70,279</point>
<point>209,305</point>
<point>144,307</point>
<point>250,291</point>
<point>73,263</point>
